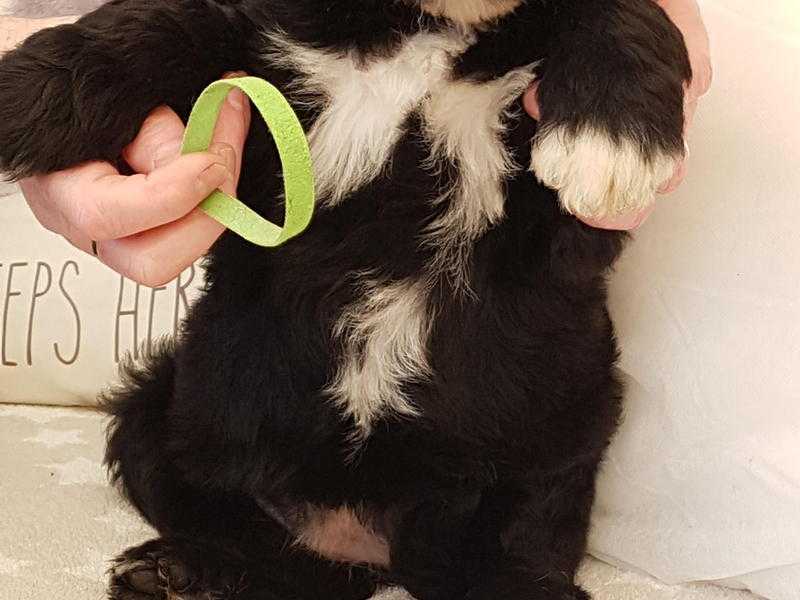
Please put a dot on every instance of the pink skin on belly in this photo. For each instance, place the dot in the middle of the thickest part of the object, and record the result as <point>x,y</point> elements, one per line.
<point>340,536</point>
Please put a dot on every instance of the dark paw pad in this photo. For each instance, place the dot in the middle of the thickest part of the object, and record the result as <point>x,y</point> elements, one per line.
<point>153,572</point>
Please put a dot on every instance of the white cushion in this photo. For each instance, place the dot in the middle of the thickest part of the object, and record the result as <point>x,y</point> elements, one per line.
<point>65,319</point>
<point>703,482</point>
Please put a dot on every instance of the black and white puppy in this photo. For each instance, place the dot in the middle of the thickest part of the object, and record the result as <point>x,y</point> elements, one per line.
<point>418,390</point>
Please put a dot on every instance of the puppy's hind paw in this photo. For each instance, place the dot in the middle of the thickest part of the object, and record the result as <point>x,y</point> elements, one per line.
<point>148,576</point>
<point>597,176</point>
<point>153,571</point>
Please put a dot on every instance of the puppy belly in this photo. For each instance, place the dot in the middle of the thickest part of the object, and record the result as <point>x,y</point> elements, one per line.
<point>339,535</point>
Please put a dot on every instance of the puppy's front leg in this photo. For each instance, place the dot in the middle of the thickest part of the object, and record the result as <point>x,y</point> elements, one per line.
<point>80,92</point>
<point>611,97</point>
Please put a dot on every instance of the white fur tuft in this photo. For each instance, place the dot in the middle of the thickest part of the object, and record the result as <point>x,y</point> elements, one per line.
<point>385,336</point>
<point>465,122</point>
<point>363,105</point>
<point>597,177</point>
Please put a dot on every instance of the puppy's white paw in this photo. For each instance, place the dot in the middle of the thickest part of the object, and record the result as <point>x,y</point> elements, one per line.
<point>596,176</point>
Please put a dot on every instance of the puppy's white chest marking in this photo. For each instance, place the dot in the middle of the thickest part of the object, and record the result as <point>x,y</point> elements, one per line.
<point>363,110</point>
<point>465,122</point>
<point>364,105</point>
<point>385,338</point>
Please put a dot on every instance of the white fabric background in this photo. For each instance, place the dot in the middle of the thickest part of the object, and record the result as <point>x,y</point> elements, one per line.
<point>703,482</point>
<point>74,329</point>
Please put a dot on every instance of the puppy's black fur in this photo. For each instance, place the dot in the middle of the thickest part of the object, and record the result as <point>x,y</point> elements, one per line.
<point>224,439</point>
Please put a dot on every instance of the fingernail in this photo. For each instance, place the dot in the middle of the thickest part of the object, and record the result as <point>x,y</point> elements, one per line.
<point>166,153</point>
<point>236,99</point>
<point>669,184</point>
<point>214,176</point>
<point>674,182</point>
<point>225,152</point>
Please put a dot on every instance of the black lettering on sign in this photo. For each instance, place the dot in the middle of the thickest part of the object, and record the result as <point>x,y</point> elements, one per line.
<point>128,301</point>
<point>134,313</point>
<point>151,312</point>
<point>9,294</point>
<point>181,300</point>
<point>54,285</point>
<point>37,293</point>
<point>74,357</point>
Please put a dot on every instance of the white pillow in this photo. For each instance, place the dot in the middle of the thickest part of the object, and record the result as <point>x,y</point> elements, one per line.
<point>66,319</point>
<point>703,482</point>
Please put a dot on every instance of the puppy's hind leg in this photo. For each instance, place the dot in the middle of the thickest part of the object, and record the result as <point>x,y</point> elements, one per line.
<point>216,544</point>
<point>178,569</point>
<point>168,569</point>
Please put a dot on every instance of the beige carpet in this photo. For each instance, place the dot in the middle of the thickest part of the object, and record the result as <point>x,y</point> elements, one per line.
<point>60,523</point>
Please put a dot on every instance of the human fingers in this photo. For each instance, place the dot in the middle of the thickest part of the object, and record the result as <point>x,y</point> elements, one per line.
<point>97,202</point>
<point>161,135</point>
<point>156,256</point>
<point>531,101</point>
<point>158,142</point>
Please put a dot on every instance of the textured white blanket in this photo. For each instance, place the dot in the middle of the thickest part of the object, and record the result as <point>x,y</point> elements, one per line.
<point>60,522</point>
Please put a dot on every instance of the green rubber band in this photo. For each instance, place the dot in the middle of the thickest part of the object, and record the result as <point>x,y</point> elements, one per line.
<point>290,139</point>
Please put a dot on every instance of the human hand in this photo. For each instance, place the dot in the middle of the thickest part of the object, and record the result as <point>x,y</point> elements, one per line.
<point>147,226</point>
<point>686,16</point>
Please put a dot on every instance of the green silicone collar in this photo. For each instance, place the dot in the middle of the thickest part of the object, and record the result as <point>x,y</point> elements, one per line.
<point>290,139</point>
